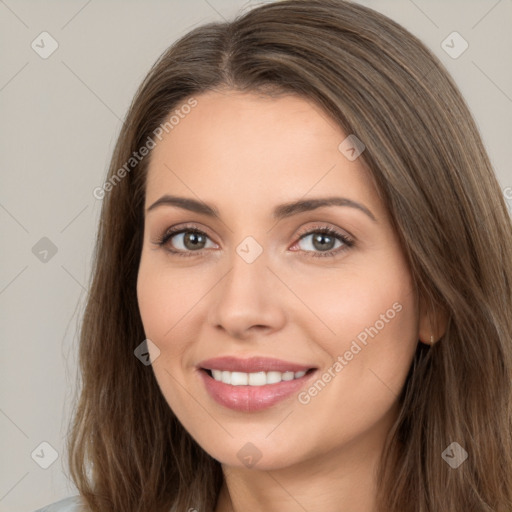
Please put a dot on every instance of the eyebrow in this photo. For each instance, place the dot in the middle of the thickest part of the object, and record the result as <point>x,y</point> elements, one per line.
<point>280,212</point>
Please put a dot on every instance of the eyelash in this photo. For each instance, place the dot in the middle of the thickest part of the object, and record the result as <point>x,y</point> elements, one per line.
<point>326,230</point>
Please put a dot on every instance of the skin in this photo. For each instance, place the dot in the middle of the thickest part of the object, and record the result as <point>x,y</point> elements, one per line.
<point>245,154</point>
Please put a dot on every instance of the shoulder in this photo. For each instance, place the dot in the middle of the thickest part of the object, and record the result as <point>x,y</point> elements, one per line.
<point>71,504</point>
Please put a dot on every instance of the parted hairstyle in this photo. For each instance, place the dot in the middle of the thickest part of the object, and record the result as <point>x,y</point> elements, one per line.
<point>127,450</point>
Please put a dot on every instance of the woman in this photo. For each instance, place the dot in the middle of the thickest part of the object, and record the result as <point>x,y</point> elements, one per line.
<point>226,366</point>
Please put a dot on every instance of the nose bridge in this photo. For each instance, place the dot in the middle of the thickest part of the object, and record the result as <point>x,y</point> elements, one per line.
<point>245,298</point>
<point>247,278</point>
<point>248,262</point>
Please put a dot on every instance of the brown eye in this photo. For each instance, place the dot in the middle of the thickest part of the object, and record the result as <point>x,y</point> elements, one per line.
<point>323,240</point>
<point>184,241</point>
<point>192,240</point>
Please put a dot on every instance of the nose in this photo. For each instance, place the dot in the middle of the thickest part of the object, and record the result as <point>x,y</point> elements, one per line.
<point>246,301</point>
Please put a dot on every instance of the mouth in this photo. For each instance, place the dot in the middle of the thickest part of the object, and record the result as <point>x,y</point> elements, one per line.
<point>260,378</point>
<point>254,391</point>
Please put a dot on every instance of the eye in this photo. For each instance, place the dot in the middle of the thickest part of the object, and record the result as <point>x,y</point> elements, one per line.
<point>322,240</point>
<point>189,240</point>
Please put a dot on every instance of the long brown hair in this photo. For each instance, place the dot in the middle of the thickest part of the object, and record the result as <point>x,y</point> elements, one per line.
<point>127,450</point>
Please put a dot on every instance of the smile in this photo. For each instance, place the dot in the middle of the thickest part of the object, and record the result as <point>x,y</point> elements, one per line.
<point>254,379</point>
<point>246,392</point>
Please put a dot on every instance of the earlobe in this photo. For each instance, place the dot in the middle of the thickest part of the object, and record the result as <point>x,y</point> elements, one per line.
<point>432,323</point>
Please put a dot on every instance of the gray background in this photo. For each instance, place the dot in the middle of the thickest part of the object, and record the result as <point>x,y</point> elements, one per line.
<point>60,119</point>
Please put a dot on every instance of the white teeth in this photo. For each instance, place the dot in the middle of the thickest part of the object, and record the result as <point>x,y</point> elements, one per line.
<point>237,378</point>
<point>257,379</point>
<point>273,377</point>
<point>254,379</point>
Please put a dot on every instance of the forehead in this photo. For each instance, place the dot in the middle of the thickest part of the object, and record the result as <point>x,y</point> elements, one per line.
<point>249,149</point>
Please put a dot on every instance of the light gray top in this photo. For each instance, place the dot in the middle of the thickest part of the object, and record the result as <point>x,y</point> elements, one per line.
<point>71,504</point>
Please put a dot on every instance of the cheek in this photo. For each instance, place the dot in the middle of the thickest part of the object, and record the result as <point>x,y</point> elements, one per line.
<point>368,317</point>
<point>369,312</point>
<point>370,357</point>
<point>373,303</point>
<point>165,296</point>
<point>153,298</point>
<point>374,321</point>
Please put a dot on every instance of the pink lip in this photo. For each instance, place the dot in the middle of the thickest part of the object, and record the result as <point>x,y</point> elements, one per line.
<point>251,365</point>
<point>252,398</point>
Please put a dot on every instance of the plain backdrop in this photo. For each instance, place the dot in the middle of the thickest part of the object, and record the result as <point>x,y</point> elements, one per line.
<point>60,117</point>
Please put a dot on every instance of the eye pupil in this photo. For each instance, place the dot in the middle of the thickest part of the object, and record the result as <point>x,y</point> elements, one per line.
<point>194,239</point>
<point>318,239</point>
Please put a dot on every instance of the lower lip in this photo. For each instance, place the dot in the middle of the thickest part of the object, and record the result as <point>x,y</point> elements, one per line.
<point>252,398</point>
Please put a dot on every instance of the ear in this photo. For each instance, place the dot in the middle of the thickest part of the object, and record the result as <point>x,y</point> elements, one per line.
<point>432,323</point>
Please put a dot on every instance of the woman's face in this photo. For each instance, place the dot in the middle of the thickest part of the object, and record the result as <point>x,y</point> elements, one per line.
<point>260,279</point>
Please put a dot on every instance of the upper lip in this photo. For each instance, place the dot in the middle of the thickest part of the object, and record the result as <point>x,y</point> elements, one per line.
<point>252,364</point>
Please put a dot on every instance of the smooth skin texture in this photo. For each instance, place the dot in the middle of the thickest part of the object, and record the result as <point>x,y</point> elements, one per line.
<point>245,154</point>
